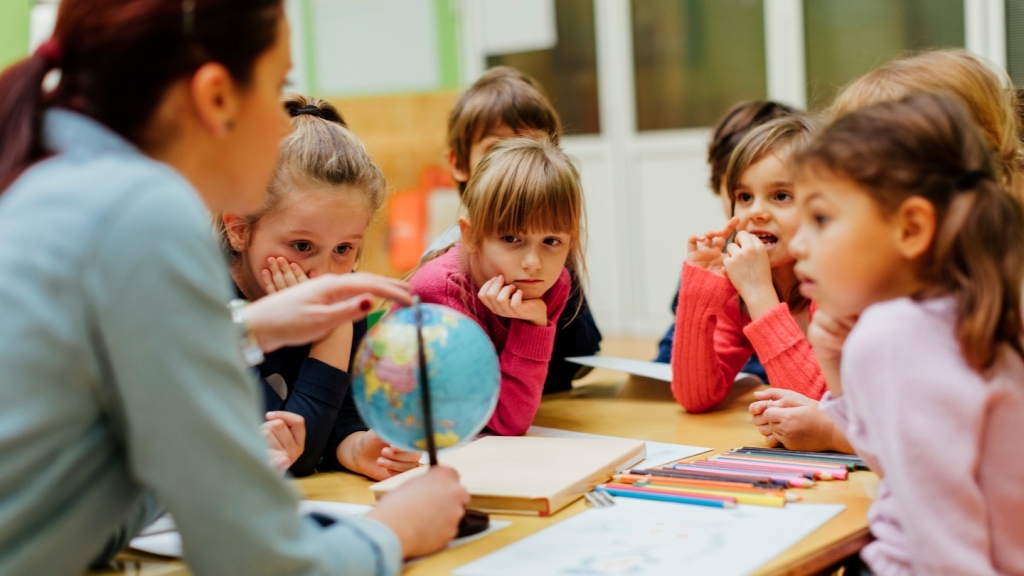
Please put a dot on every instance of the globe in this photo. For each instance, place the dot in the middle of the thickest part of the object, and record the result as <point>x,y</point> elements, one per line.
<point>462,368</point>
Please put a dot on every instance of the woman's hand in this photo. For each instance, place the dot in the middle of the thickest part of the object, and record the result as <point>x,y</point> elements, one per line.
<point>796,422</point>
<point>748,268</point>
<point>707,251</point>
<point>285,434</point>
<point>367,454</point>
<point>309,311</point>
<point>508,301</point>
<point>424,513</point>
<point>280,274</point>
<point>827,333</point>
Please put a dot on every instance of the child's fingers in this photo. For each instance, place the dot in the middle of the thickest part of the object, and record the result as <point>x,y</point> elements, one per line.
<point>286,272</point>
<point>299,274</point>
<point>772,441</point>
<point>517,299</point>
<point>756,408</point>
<point>396,465</point>
<point>268,281</point>
<point>398,455</point>
<point>276,274</point>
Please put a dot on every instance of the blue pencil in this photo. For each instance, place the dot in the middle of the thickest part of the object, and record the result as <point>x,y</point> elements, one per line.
<point>666,498</point>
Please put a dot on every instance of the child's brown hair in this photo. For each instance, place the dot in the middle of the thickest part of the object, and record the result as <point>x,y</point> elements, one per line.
<point>734,125</point>
<point>926,145</point>
<point>502,95</point>
<point>984,91</point>
<point>319,151</point>
<point>781,137</point>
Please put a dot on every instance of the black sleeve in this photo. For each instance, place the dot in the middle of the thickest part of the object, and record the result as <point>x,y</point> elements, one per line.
<point>577,335</point>
<point>348,420</point>
<point>317,396</point>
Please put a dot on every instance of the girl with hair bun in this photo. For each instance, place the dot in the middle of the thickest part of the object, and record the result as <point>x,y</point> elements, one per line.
<point>906,229</point>
<point>323,195</point>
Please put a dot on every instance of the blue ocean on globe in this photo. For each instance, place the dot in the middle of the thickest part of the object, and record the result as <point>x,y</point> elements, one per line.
<point>462,366</point>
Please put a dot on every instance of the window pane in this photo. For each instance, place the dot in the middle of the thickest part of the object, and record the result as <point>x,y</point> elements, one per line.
<point>693,59</point>
<point>1015,41</point>
<point>569,70</point>
<point>844,39</point>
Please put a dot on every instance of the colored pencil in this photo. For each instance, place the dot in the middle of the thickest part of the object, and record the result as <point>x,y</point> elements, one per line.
<point>853,461</point>
<point>792,480</point>
<point>703,484</point>
<point>677,499</point>
<point>758,481</point>
<point>774,500</point>
<point>831,472</point>
<point>763,468</point>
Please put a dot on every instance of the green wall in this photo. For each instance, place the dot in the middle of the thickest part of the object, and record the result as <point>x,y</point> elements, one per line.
<point>14,16</point>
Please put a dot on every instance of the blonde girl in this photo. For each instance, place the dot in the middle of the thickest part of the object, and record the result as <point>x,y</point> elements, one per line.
<point>792,419</point>
<point>323,196</point>
<point>906,227</point>
<point>739,298</point>
<point>522,240</point>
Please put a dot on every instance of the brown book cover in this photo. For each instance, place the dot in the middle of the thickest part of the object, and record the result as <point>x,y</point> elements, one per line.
<point>529,475</point>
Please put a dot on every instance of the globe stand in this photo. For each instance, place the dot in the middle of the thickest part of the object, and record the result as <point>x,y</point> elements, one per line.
<point>474,521</point>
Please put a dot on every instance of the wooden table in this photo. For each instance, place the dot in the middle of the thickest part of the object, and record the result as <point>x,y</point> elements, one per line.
<point>610,404</point>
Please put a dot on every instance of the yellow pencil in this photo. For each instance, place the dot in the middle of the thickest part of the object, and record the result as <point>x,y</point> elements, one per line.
<point>741,497</point>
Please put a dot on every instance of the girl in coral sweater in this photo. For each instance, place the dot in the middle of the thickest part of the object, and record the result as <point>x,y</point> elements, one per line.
<point>740,298</point>
<point>522,238</point>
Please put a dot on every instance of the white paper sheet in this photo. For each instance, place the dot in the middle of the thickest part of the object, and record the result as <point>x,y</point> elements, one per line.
<point>658,453</point>
<point>653,370</point>
<point>162,539</point>
<point>639,538</point>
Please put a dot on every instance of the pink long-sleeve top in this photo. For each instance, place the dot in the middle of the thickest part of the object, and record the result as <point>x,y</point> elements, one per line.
<point>944,439</point>
<point>714,339</point>
<point>524,349</point>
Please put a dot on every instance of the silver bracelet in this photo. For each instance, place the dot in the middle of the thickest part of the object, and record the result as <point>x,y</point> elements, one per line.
<point>247,343</point>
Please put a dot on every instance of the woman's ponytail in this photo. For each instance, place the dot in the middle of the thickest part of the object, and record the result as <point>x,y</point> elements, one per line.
<point>22,102</point>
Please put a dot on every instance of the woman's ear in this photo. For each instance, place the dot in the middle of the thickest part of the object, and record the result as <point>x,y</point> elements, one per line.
<point>237,230</point>
<point>915,227</point>
<point>215,98</point>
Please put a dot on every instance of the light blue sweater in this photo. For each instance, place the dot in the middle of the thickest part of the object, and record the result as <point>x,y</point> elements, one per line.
<point>120,376</point>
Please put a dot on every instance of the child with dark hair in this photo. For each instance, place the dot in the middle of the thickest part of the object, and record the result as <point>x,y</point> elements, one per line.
<point>737,122</point>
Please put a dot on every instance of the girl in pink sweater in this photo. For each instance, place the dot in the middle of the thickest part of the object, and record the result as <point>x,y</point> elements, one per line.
<point>739,298</point>
<point>907,234</point>
<point>522,238</point>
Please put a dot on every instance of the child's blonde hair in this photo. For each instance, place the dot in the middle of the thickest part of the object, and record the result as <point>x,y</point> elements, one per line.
<point>926,145</point>
<point>781,136</point>
<point>527,185</point>
<point>320,151</point>
<point>984,90</point>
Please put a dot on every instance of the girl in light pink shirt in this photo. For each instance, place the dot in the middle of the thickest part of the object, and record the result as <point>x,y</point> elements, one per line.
<point>907,234</point>
<point>522,237</point>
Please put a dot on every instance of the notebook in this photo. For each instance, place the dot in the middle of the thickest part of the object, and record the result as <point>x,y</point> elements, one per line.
<point>534,476</point>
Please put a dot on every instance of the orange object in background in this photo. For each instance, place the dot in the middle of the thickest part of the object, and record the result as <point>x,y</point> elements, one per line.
<point>407,221</point>
<point>409,218</point>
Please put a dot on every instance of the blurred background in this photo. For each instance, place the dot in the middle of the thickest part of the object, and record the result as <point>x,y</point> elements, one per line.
<point>638,83</point>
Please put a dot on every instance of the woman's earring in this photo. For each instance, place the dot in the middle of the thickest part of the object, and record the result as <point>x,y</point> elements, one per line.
<point>238,248</point>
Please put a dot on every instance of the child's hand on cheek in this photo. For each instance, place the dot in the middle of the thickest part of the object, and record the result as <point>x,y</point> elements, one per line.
<point>280,274</point>
<point>508,301</point>
<point>748,268</point>
<point>827,333</point>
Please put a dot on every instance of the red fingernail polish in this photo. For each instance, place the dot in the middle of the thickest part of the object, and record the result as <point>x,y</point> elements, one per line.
<point>365,305</point>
